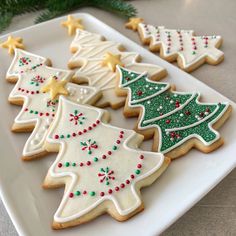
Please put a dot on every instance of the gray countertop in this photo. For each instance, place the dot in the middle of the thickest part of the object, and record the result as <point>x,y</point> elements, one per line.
<point>215,214</point>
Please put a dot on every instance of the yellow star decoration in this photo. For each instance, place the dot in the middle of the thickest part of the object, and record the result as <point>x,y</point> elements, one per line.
<point>112,60</point>
<point>55,87</point>
<point>133,23</point>
<point>12,43</point>
<point>72,24</point>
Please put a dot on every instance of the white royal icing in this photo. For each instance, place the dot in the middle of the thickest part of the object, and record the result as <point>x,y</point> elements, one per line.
<point>90,53</point>
<point>37,102</point>
<point>190,48</point>
<point>123,162</point>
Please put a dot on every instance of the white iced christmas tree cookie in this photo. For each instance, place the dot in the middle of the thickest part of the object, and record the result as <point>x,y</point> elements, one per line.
<point>190,51</point>
<point>37,89</point>
<point>97,60</point>
<point>100,174</point>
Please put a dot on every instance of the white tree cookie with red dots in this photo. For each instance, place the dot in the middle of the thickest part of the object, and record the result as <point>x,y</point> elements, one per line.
<point>190,51</point>
<point>38,88</point>
<point>100,174</point>
<point>96,60</point>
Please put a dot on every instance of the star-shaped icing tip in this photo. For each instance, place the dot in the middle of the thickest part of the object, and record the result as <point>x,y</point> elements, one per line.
<point>72,24</point>
<point>12,43</point>
<point>55,87</point>
<point>133,23</point>
<point>110,60</point>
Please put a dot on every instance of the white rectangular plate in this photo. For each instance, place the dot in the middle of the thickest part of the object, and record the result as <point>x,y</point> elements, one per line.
<point>184,183</point>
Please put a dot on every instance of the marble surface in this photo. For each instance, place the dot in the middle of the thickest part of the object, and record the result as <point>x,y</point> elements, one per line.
<point>215,214</point>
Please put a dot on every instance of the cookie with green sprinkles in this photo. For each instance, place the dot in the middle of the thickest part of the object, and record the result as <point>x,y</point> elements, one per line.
<point>176,120</point>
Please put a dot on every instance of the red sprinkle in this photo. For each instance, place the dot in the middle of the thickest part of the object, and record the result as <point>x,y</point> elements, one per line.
<point>139,166</point>
<point>74,134</point>
<point>104,156</point>
<point>110,191</point>
<point>102,194</point>
<point>127,181</point>
<point>132,176</point>
<point>71,195</point>
<point>84,192</point>
<point>56,136</point>
<point>109,152</point>
<point>118,141</point>
<point>117,189</point>
<point>88,163</point>
<point>122,185</point>
<point>81,164</point>
<point>59,165</point>
<point>141,157</point>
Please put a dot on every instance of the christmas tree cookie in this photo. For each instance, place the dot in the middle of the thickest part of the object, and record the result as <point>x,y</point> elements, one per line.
<point>38,88</point>
<point>100,174</point>
<point>97,60</point>
<point>190,51</point>
<point>177,120</point>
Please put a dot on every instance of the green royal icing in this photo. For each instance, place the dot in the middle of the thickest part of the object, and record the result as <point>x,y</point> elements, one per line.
<point>183,108</point>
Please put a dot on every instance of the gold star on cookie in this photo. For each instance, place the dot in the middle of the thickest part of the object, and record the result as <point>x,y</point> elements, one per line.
<point>133,23</point>
<point>55,87</point>
<point>12,43</point>
<point>72,24</point>
<point>110,60</point>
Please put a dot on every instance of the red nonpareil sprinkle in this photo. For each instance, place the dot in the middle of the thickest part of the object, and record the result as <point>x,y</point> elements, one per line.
<point>89,128</point>
<point>127,181</point>
<point>71,195</point>
<point>139,93</point>
<point>117,189</point>
<point>74,134</point>
<point>97,121</point>
<point>47,114</point>
<point>56,136</point>
<point>40,113</point>
<point>84,192</point>
<point>104,156</point>
<point>94,125</point>
<point>121,132</point>
<point>122,185</point>
<point>167,121</point>
<point>118,141</point>
<point>121,136</point>
<point>81,164</point>
<point>59,165</point>
<point>132,176</point>
<point>102,194</point>
<point>110,191</point>
<point>88,163</point>
<point>79,133</point>
<point>141,157</point>
<point>109,152</point>
<point>85,130</point>
<point>26,109</point>
<point>139,166</point>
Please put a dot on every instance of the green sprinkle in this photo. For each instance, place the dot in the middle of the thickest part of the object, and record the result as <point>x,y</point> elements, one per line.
<point>114,147</point>
<point>89,152</point>
<point>68,135</point>
<point>193,52</point>
<point>36,112</point>
<point>77,193</point>
<point>137,172</point>
<point>95,159</point>
<point>73,164</point>
<point>31,111</point>
<point>92,193</point>
<point>67,164</point>
<point>62,136</point>
<point>107,183</point>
